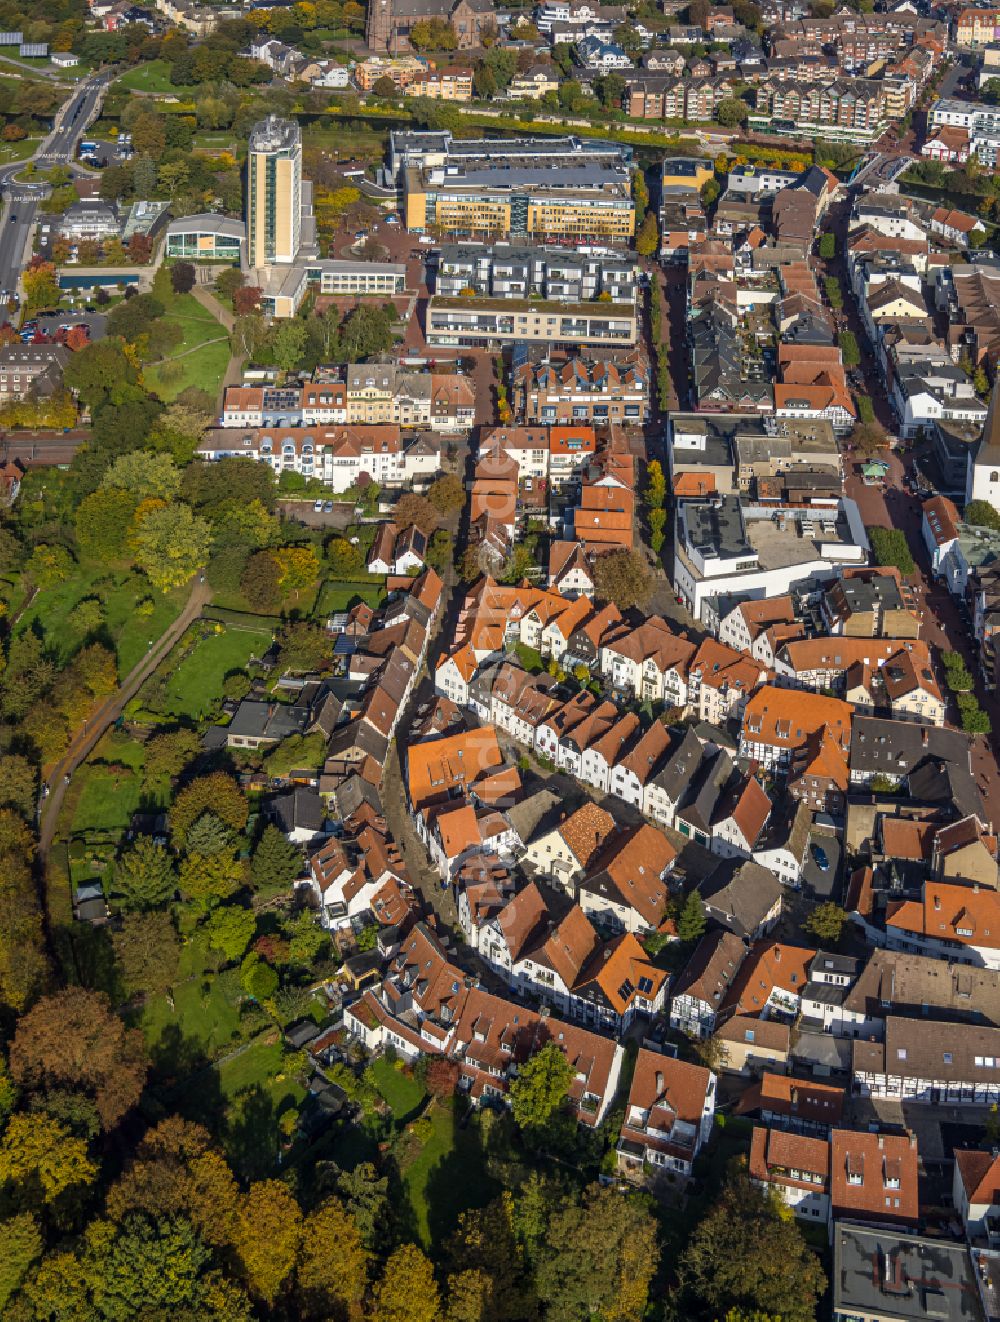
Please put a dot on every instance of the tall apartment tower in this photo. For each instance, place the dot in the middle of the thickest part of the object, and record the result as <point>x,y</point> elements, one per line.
<point>274,192</point>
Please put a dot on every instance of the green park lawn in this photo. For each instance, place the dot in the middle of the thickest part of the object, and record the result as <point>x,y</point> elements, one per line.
<point>153,76</point>
<point>120,592</point>
<point>202,356</point>
<point>196,685</point>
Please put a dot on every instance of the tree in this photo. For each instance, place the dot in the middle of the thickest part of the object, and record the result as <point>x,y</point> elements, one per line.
<point>407,1290</point>
<point>890,548</point>
<point>385,88</point>
<point>216,793</point>
<point>74,1040</point>
<point>41,286</point>
<point>691,921</point>
<point>541,1087</point>
<point>346,560</point>
<point>826,922</point>
<point>20,1246</point>
<point>298,567</point>
<point>332,1272</point>
<point>365,1195</point>
<point>230,929</point>
<point>143,473</point>
<point>247,300</point>
<point>868,438</point>
<point>147,950</point>
<point>267,1235</point>
<point>648,239</point>
<point>731,112</point>
<point>169,544</point>
<point>412,510</point>
<point>258,978</point>
<point>828,246</point>
<point>288,343</point>
<point>440,551</point>
<point>709,192</point>
<point>486,1260</point>
<point>42,1159</point>
<point>276,862</point>
<point>303,646</point>
<point>446,494</point>
<point>145,876</point>
<point>18,784</point>
<point>621,578</point>
<point>183,277</point>
<point>166,755</point>
<point>981,512</point>
<point>209,835</point>
<point>973,719</point>
<point>744,1256</point>
<point>598,1257</point>
<point>849,351</point>
<point>208,879</point>
<point>48,565</point>
<point>260,582</point>
<point>228,281</point>
<point>656,485</point>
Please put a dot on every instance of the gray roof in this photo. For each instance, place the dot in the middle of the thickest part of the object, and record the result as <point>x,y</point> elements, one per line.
<point>268,720</point>
<point>931,1049</point>
<point>895,1276</point>
<point>207,222</point>
<point>535,811</point>
<point>897,747</point>
<point>301,809</point>
<point>740,897</point>
<point>681,766</point>
<point>916,984</point>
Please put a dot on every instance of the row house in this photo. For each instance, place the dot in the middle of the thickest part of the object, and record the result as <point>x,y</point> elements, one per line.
<point>346,874</point>
<point>669,1117</point>
<point>894,982</point>
<point>921,1061</point>
<point>563,852</point>
<point>552,454</point>
<point>660,96</point>
<point>975,1193</point>
<point>868,1177</point>
<point>564,962</point>
<point>855,104</point>
<point>760,627</point>
<point>335,455</point>
<point>770,981</point>
<point>627,886</point>
<point>651,663</point>
<point>720,680</point>
<point>426,1006</point>
<point>948,921</point>
<point>370,394</point>
<point>778,722</point>
<point>869,672</point>
<point>800,1106</point>
<point>702,987</point>
<point>579,389</point>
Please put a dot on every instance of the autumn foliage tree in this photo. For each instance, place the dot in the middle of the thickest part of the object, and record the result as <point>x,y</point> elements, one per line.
<point>74,1040</point>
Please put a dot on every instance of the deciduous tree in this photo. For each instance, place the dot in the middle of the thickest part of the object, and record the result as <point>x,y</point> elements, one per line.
<point>41,1159</point>
<point>540,1087</point>
<point>332,1273</point>
<point>147,950</point>
<point>407,1290</point>
<point>230,929</point>
<point>74,1040</point>
<point>621,577</point>
<point>217,793</point>
<point>208,879</point>
<point>20,1246</point>
<point>743,1255</point>
<point>267,1236</point>
<point>170,544</point>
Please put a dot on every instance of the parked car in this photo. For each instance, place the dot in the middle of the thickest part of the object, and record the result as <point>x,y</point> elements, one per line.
<point>318,507</point>
<point>820,858</point>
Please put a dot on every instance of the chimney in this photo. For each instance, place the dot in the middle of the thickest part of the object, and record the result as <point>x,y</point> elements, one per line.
<point>659,1084</point>
<point>937,903</point>
<point>924,738</point>
<point>881,1142</point>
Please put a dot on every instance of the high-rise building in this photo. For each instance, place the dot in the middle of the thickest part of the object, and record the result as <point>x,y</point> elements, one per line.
<point>274,192</point>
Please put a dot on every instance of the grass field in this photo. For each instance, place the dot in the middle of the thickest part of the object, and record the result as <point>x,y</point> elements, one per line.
<point>154,76</point>
<point>120,594</point>
<point>108,800</point>
<point>448,1176</point>
<point>402,1092</point>
<point>201,357</point>
<point>336,596</point>
<point>196,685</point>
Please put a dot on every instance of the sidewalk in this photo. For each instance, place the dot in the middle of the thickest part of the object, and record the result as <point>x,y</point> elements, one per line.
<point>86,739</point>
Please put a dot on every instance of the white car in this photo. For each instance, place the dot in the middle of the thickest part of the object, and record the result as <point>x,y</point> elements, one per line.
<point>318,507</point>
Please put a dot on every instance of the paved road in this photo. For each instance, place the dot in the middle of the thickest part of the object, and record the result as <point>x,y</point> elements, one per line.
<point>59,148</point>
<point>111,708</point>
